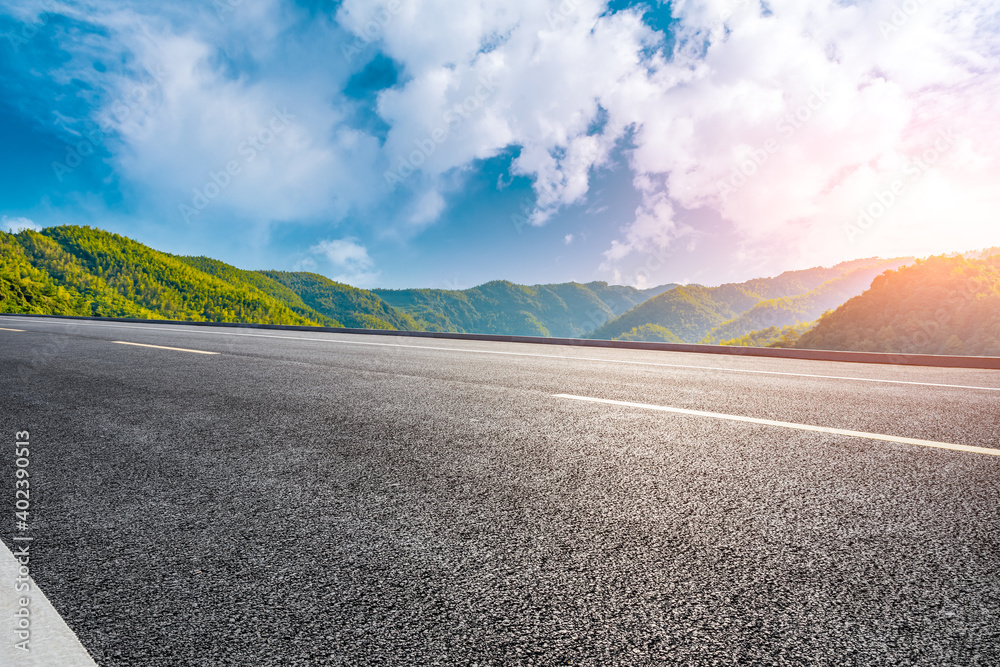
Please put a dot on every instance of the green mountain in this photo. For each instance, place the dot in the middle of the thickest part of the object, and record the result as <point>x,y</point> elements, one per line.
<point>257,280</point>
<point>793,311</point>
<point>711,314</point>
<point>942,305</point>
<point>84,271</point>
<point>650,333</point>
<point>356,308</point>
<point>785,336</point>
<point>501,307</point>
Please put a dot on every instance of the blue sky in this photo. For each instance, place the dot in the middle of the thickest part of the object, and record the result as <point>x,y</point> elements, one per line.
<point>444,143</point>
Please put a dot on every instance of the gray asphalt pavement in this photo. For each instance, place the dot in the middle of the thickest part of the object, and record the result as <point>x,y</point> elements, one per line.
<point>303,498</point>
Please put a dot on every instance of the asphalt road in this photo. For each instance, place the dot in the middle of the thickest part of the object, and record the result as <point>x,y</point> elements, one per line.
<point>304,498</point>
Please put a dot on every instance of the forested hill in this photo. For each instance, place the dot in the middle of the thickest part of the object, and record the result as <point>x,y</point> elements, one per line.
<point>85,271</point>
<point>698,314</point>
<point>942,305</point>
<point>356,308</point>
<point>501,307</point>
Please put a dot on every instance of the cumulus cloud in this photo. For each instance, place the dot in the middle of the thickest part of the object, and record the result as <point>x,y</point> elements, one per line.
<point>786,119</point>
<point>791,122</point>
<point>238,113</point>
<point>349,260</point>
<point>488,75</point>
<point>16,225</point>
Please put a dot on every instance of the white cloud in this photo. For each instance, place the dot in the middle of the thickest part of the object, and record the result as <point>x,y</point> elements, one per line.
<point>568,239</point>
<point>177,116</point>
<point>350,261</point>
<point>491,74</point>
<point>824,103</point>
<point>16,224</point>
<point>787,122</point>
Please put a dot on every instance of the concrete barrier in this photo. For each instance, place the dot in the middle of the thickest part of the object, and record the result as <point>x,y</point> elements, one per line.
<point>940,361</point>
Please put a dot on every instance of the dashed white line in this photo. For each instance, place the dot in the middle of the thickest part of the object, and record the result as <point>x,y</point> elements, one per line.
<point>160,347</point>
<point>18,330</point>
<point>790,425</point>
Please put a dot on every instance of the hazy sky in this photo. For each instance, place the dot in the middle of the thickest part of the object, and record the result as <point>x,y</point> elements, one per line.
<point>444,143</point>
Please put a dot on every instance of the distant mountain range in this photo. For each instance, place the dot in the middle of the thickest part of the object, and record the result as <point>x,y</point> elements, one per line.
<point>566,310</point>
<point>942,305</point>
<point>697,314</point>
<point>85,271</point>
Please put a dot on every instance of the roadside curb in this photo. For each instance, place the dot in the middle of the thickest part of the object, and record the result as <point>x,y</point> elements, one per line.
<point>939,361</point>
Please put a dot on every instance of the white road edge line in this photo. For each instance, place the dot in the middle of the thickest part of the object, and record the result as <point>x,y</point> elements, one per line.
<point>160,347</point>
<point>798,427</point>
<point>52,642</point>
<point>529,354</point>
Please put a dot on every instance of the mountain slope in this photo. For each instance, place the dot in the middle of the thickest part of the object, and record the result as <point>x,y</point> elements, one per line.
<point>502,307</point>
<point>165,285</point>
<point>96,297</point>
<point>650,333</point>
<point>794,310</point>
<point>84,271</point>
<point>692,312</point>
<point>25,288</point>
<point>785,336</point>
<point>943,305</point>
<point>355,308</point>
<point>258,280</point>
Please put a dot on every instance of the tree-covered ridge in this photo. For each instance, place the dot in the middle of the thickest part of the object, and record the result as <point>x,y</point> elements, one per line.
<point>84,271</point>
<point>353,307</point>
<point>650,333</point>
<point>501,307</point>
<point>802,308</point>
<point>25,288</point>
<point>257,280</point>
<point>99,299</point>
<point>164,284</point>
<point>701,314</point>
<point>785,336</point>
<point>942,305</point>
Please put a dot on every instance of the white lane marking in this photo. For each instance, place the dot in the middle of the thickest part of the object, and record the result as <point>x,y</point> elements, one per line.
<point>799,427</point>
<point>160,347</point>
<point>19,330</point>
<point>529,354</point>
<point>52,642</point>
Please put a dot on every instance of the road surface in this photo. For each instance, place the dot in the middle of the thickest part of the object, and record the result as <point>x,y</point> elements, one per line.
<point>218,496</point>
